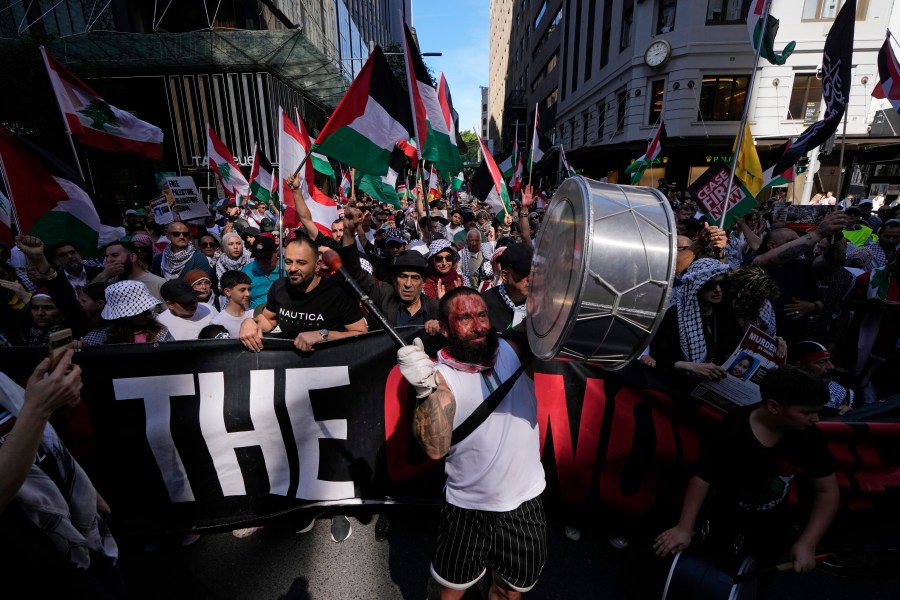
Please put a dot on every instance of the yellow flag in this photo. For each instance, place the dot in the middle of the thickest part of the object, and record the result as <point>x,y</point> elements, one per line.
<point>748,169</point>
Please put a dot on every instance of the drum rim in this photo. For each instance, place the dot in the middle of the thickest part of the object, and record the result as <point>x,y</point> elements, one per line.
<point>587,226</point>
<point>580,182</point>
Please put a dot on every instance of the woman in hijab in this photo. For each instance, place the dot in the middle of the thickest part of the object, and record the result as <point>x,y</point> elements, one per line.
<point>45,318</point>
<point>443,260</point>
<point>234,255</point>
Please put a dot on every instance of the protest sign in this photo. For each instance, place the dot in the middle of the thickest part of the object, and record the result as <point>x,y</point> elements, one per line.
<point>710,189</point>
<point>184,199</point>
<point>162,212</point>
<point>744,369</point>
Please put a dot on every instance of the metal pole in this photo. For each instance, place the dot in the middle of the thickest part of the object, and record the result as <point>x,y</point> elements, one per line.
<point>740,136</point>
<point>841,160</point>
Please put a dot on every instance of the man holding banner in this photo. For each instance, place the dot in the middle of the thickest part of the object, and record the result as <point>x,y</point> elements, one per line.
<point>477,411</point>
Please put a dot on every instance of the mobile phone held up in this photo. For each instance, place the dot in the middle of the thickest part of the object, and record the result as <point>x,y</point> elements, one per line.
<point>60,341</point>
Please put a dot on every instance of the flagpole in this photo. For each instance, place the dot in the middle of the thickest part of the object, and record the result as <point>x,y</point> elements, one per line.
<point>740,137</point>
<point>533,137</point>
<point>841,160</point>
<point>62,115</point>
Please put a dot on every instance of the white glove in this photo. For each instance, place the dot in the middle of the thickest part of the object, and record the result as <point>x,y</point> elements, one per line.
<point>417,368</point>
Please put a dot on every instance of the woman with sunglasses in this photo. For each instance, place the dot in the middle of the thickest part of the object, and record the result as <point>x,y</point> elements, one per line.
<point>443,261</point>
<point>209,247</point>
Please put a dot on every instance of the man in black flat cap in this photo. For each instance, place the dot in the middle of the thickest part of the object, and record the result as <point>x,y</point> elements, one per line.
<point>401,300</point>
<point>506,302</point>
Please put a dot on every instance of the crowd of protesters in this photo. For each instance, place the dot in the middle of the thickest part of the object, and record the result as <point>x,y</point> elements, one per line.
<point>828,291</point>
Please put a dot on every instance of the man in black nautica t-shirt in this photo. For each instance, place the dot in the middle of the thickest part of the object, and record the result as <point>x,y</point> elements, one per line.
<point>308,308</point>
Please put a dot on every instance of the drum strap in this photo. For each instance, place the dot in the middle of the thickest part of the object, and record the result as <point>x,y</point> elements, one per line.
<point>484,410</point>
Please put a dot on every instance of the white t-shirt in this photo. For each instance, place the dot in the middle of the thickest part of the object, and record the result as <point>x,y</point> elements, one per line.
<point>188,329</point>
<point>232,323</point>
<point>498,466</point>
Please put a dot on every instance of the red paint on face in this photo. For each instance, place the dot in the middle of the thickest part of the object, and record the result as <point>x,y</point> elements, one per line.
<point>469,321</point>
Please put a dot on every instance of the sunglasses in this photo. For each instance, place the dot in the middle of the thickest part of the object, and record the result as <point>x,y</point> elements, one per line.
<point>208,244</point>
<point>443,259</point>
<point>180,233</point>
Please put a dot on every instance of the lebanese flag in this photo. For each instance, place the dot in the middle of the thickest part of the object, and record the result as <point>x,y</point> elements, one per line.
<point>97,123</point>
<point>888,86</point>
<point>262,177</point>
<point>515,183</point>
<point>498,197</point>
<point>52,208</point>
<point>369,121</point>
<point>221,160</point>
<point>345,187</point>
<point>293,146</point>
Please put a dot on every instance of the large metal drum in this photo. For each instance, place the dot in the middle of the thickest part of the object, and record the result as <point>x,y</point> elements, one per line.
<point>602,272</point>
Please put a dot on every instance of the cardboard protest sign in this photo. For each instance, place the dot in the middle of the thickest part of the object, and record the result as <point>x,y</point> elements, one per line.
<point>184,198</point>
<point>710,189</point>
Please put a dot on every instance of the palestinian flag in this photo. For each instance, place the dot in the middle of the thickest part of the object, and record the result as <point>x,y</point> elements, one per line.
<point>322,165</point>
<point>384,189</point>
<point>97,123</point>
<point>221,160</point>
<point>345,187</point>
<point>515,183</point>
<point>457,182</point>
<point>888,86</point>
<point>47,205</point>
<point>540,145</point>
<point>262,177</point>
<point>755,17</point>
<point>748,169</point>
<point>654,149</point>
<point>566,167</point>
<point>508,165</point>
<point>371,118</point>
<point>773,178</point>
<point>432,131</point>
<point>453,162</point>
<point>293,146</point>
<point>491,188</point>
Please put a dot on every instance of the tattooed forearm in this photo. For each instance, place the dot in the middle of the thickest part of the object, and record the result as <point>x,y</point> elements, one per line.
<point>792,252</point>
<point>433,422</point>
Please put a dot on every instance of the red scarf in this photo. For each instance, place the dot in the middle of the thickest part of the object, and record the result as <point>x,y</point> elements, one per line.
<point>451,280</point>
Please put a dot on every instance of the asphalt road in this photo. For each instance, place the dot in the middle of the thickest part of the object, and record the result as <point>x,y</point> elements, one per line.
<point>276,563</point>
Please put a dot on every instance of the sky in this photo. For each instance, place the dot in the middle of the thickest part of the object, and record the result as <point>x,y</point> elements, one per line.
<point>461,30</point>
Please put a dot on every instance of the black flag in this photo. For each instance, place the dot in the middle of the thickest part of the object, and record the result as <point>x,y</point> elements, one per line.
<point>836,63</point>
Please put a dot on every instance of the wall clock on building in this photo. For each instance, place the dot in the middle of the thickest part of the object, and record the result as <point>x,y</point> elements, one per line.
<point>658,54</point>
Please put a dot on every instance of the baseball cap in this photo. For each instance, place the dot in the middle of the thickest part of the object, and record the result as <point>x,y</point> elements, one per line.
<point>263,247</point>
<point>266,225</point>
<point>392,234</point>
<point>178,290</point>
<point>517,257</point>
<point>437,215</point>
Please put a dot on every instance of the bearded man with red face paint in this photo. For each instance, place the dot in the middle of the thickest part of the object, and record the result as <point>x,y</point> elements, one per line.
<point>494,474</point>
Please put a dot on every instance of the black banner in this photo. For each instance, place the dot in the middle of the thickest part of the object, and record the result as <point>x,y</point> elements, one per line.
<point>207,434</point>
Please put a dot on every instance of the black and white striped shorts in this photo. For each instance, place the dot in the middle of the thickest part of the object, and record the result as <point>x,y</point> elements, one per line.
<point>512,544</point>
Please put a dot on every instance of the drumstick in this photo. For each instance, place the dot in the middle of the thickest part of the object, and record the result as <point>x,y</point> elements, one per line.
<point>333,261</point>
<point>774,569</point>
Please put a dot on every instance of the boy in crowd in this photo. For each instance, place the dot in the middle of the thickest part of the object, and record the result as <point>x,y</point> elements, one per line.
<point>742,478</point>
<point>236,289</point>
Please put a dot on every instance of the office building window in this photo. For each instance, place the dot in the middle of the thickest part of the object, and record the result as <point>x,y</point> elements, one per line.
<point>627,24</point>
<point>565,73</point>
<point>577,46</point>
<point>607,30</point>
<point>584,128</point>
<point>665,16</point>
<point>589,51</point>
<point>722,97</point>
<point>727,12</point>
<point>657,93</point>
<point>827,10</point>
<point>601,120</point>
<point>540,16</point>
<point>806,97</point>
<point>621,101</point>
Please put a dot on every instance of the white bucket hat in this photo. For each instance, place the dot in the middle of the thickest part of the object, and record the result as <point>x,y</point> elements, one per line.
<point>127,299</point>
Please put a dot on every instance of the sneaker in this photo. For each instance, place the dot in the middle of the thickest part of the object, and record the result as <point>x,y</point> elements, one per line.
<point>573,533</point>
<point>382,528</point>
<point>308,527</point>
<point>617,542</point>
<point>340,528</point>
<point>189,539</point>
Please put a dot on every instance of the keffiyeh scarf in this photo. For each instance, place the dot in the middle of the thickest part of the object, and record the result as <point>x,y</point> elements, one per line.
<point>518,309</point>
<point>484,272</point>
<point>445,358</point>
<point>173,262</point>
<point>690,319</point>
